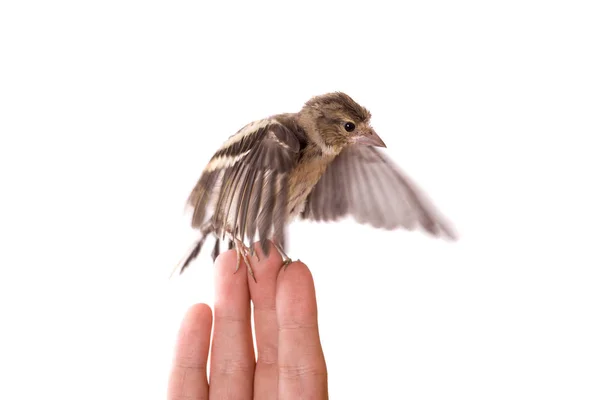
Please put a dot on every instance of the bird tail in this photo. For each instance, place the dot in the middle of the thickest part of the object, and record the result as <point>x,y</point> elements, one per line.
<point>193,252</point>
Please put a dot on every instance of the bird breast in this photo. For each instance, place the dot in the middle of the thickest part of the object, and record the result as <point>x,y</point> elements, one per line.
<point>302,181</point>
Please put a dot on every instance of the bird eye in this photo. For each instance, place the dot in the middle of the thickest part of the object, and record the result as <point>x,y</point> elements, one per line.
<point>349,127</point>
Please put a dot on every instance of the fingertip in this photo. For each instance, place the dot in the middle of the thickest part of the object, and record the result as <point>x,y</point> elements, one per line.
<point>188,373</point>
<point>197,322</point>
<point>226,261</point>
<point>296,298</point>
<point>198,314</point>
<point>295,273</point>
<point>273,254</point>
<point>229,279</point>
<point>266,267</point>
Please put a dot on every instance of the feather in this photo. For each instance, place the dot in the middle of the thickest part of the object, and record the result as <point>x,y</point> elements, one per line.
<point>265,217</point>
<point>254,206</point>
<point>279,213</point>
<point>200,196</point>
<point>216,250</point>
<point>246,181</point>
<point>309,163</point>
<point>377,193</point>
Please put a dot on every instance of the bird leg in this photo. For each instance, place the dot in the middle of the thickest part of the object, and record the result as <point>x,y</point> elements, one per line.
<point>242,252</point>
<point>286,260</point>
<point>253,252</point>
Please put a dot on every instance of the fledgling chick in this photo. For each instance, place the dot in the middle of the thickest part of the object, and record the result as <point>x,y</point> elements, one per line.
<point>321,164</point>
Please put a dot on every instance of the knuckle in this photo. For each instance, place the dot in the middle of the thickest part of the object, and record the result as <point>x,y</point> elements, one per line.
<point>189,364</point>
<point>229,367</point>
<point>268,355</point>
<point>301,371</point>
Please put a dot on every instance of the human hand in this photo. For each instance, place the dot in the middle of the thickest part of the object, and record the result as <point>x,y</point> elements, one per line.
<point>290,363</point>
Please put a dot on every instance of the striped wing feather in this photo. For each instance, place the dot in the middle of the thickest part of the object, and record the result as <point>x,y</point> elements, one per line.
<point>243,190</point>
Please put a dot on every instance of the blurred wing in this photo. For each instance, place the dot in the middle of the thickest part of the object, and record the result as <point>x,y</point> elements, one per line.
<point>365,184</point>
<point>243,189</point>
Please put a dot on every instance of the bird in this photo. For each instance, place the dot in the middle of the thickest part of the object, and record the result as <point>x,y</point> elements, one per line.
<point>322,163</point>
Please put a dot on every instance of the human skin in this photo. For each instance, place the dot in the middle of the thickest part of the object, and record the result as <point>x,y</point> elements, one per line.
<point>290,362</point>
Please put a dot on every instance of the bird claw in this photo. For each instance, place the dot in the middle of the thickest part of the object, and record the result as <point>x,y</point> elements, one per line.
<point>242,253</point>
<point>286,260</point>
<point>253,252</point>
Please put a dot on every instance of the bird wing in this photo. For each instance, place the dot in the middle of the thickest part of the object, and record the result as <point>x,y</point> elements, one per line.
<point>364,183</point>
<point>243,190</point>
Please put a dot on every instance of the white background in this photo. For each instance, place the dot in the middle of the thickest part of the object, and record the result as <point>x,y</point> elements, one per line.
<point>109,111</point>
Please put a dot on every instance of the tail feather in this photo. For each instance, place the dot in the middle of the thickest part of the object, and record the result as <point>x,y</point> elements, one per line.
<point>194,251</point>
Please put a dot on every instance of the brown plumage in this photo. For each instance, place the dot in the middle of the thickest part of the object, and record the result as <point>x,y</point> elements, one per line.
<point>319,164</point>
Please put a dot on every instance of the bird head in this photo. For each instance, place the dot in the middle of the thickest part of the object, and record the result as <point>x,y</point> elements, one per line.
<point>335,121</point>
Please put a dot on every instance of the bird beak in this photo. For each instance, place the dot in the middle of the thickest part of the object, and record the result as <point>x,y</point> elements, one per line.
<point>369,138</point>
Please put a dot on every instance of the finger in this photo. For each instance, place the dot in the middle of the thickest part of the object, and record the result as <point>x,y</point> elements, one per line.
<point>232,357</point>
<point>262,294</point>
<point>302,369</point>
<point>188,374</point>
